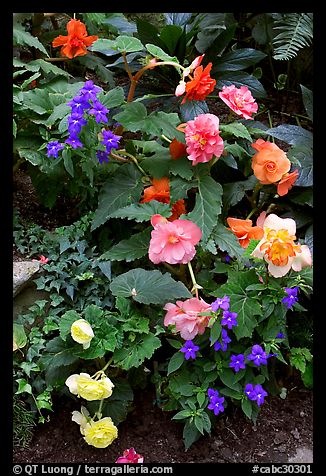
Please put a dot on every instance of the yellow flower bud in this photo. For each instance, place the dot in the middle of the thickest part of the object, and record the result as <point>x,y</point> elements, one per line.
<point>100,433</point>
<point>82,332</point>
<point>90,389</point>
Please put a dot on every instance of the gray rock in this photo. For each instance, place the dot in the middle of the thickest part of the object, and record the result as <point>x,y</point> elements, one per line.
<point>303,455</point>
<point>23,273</point>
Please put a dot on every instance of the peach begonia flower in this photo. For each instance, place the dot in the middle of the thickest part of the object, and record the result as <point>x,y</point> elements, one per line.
<point>177,149</point>
<point>286,183</point>
<point>185,316</point>
<point>203,138</point>
<point>240,100</point>
<point>160,191</point>
<point>173,242</point>
<point>270,163</point>
<point>278,249</point>
<point>244,230</point>
<point>77,40</point>
<point>130,456</point>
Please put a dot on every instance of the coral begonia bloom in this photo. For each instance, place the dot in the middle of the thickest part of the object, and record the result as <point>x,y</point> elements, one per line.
<point>177,149</point>
<point>77,40</point>
<point>185,316</point>
<point>240,100</point>
<point>173,242</point>
<point>287,182</point>
<point>200,86</point>
<point>244,230</point>
<point>203,138</point>
<point>178,209</point>
<point>278,249</point>
<point>160,191</point>
<point>270,163</point>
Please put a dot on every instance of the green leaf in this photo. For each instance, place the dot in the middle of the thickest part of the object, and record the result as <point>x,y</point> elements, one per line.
<point>191,109</point>
<point>215,332</point>
<point>302,155</point>
<point>67,161</point>
<point>227,241</point>
<point>133,355</point>
<point>19,336</point>
<point>59,353</point>
<point>113,98</point>
<point>175,362</point>
<point>59,112</point>
<point>227,377</point>
<point>206,422</point>
<point>199,424</point>
<point>229,392</point>
<point>22,37</point>
<point>148,287</point>
<point>307,98</point>
<point>14,128</point>
<point>239,59</point>
<point>309,238</point>
<point>32,156</point>
<point>294,135</point>
<point>128,44</point>
<point>207,207</point>
<point>66,322</point>
<point>179,188</point>
<point>159,122</point>
<point>157,52</point>
<point>141,212</point>
<point>242,301</point>
<point>246,406</point>
<point>241,78</point>
<point>307,376</point>
<point>130,249</point>
<point>179,19</point>
<point>23,386</point>
<point>190,434</point>
<point>236,129</point>
<point>182,167</point>
<point>38,101</point>
<point>118,191</point>
<point>181,415</point>
<point>136,323</point>
<point>133,116</point>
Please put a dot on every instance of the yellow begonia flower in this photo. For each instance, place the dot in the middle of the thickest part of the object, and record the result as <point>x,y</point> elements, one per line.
<point>82,332</point>
<point>83,385</point>
<point>100,433</point>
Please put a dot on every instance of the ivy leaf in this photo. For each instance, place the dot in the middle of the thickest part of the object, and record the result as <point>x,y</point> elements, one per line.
<point>141,212</point>
<point>19,336</point>
<point>242,301</point>
<point>134,354</point>
<point>130,249</point>
<point>236,129</point>
<point>148,287</point>
<point>207,207</point>
<point>118,192</point>
<point>23,386</point>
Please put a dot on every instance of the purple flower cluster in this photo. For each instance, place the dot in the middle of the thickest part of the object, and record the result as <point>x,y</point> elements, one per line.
<point>223,345</point>
<point>86,101</point>
<point>189,349</point>
<point>215,402</point>
<point>221,303</point>
<point>255,393</point>
<point>291,297</point>
<point>258,356</point>
<point>229,318</point>
<point>237,362</point>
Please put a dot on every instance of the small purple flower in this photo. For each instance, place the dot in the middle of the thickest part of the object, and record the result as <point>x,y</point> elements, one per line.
<point>229,319</point>
<point>74,141</point>
<point>212,393</point>
<point>110,140</point>
<point>189,349</point>
<point>53,148</point>
<point>99,111</point>
<point>216,404</point>
<point>258,355</point>
<point>78,104</point>
<point>89,90</point>
<point>291,297</point>
<point>260,394</point>
<point>280,335</point>
<point>225,341</point>
<point>237,362</point>
<point>227,259</point>
<point>221,303</point>
<point>250,391</point>
<point>75,123</point>
<point>102,156</point>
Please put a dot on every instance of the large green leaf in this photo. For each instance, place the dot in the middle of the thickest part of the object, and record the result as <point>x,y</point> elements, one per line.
<point>307,98</point>
<point>239,59</point>
<point>240,78</point>
<point>157,52</point>
<point>141,212</point>
<point>227,241</point>
<point>119,191</point>
<point>294,135</point>
<point>242,301</point>
<point>148,287</point>
<point>179,188</point>
<point>179,19</point>
<point>236,129</point>
<point>191,109</point>
<point>113,98</point>
<point>132,116</point>
<point>134,354</point>
<point>131,248</point>
<point>23,37</point>
<point>122,43</point>
<point>207,207</point>
<point>302,156</point>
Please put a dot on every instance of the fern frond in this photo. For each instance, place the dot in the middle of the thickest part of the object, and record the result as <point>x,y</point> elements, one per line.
<point>296,31</point>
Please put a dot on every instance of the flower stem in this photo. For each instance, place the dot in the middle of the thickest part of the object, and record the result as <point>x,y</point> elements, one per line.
<point>195,286</point>
<point>251,213</point>
<point>99,411</point>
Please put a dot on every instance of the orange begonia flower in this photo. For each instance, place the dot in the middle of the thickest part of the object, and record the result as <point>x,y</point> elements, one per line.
<point>200,86</point>
<point>75,43</point>
<point>244,230</point>
<point>287,182</point>
<point>177,149</point>
<point>270,162</point>
<point>160,191</point>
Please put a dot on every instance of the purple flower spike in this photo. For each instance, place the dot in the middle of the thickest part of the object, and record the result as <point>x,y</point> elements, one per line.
<point>74,142</point>
<point>258,355</point>
<point>291,297</point>
<point>89,90</point>
<point>221,303</point>
<point>79,104</point>
<point>99,111</point>
<point>229,319</point>
<point>75,123</point>
<point>110,140</point>
<point>189,349</point>
<point>53,148</point>
<point>225,341</point>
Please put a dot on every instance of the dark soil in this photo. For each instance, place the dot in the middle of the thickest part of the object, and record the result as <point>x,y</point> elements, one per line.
<point>282,427</point>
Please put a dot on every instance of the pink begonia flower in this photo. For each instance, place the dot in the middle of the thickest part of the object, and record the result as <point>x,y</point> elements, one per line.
<point>173,242</point>
<point>203,138</point>
<point>278,249</point>
<point>185,316</point>
<point>130,456</point>
<point>240,100</point>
